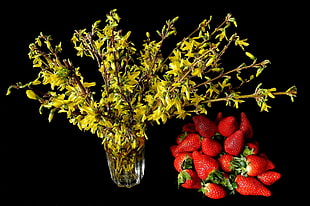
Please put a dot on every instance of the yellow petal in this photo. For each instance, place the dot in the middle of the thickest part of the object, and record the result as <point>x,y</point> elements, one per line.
<point>89,84</point>
<point>31,95</point>
<point>250,55</point>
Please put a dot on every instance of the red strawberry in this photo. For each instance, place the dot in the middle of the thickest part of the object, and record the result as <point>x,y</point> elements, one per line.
<point>270,165</point>
<point>204,164</point>
<point>246,126</point>
<point>180,137</point>
<point>183,161</point>
<point>204,126</point>
<point>189,144</point>
<point>269,177</point>
<point>189,179</point>
<point>234,143</point>
<point>251,148</point>
<point>225,162</point>
<point>211,147</point>
<point>256,165</point>
<point>172,150</point>
<point>227,126</point>
<point>251,186</point>
<point>214,191</point>
<point>189,127</point>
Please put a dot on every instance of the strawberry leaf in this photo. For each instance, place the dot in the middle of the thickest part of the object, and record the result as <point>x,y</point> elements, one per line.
<point>183,176</point>
<point>247,151</point>
<point>220,178</point>
<point>187,163</point>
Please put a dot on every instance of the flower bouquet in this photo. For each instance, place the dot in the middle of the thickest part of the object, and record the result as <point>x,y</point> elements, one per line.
<point>140,87</point>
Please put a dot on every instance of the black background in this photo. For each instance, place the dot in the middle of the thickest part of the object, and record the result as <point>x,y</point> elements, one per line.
<point>55,164</point>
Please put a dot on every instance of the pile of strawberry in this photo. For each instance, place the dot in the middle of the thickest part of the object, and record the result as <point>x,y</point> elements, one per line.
<point>220,157</point>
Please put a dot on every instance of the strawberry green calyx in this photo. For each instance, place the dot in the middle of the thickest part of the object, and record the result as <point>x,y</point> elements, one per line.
<point>189,179</point>
<point>223,179</point>
<point>183,161</point>
<point>247,151</point>
<point>238,165</point>
<point>183,176</point>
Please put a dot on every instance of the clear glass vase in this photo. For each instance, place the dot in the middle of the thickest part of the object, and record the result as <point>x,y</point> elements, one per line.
<point>126,165</point>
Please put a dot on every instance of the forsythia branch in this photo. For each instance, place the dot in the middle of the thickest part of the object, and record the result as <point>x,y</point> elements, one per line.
<point>141,87</point>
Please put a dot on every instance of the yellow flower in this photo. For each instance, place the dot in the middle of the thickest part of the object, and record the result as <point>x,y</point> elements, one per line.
<point>236,103</point>
<point>221,35</point>
<point>181,114</point>
<point>241,42</point>
<point>59,101</point>
<point>197,72</point>
<point>149,99</point>
<point>269,92</point>
<point>196,100</point>
<point>185,90</point>
<point>157,115</point>
<point>265,107</point>
<point>89,120</point>
<point>140,112</point>
<point>52,79</point>
<point>175,68</point>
